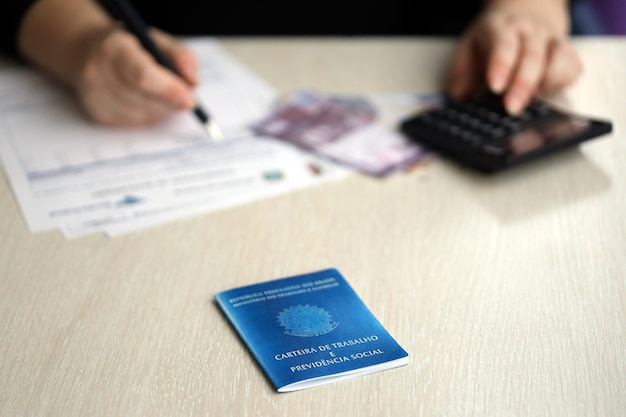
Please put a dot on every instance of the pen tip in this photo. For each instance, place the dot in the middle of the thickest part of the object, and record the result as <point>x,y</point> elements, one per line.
<point>213,130</point>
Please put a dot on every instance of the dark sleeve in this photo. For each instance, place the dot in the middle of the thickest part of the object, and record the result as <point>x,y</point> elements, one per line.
<point>11,17</point>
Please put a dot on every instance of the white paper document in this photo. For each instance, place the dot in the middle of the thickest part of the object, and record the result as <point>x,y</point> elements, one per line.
<point>69,173</point>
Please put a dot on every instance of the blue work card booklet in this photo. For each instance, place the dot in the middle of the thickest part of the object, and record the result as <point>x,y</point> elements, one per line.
<point>309,330</point>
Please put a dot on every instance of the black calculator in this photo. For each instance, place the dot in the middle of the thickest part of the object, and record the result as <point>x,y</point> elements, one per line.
<point>479,133</point>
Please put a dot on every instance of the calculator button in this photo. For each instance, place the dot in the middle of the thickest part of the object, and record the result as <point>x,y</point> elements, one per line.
<point>540,109</point>
<point>450,113</point>
<point>464,118</point>
<point>442,125</point>
<point>455,131</point>
<point>470,138</point>
<point>514,126</point>
<point>526,116</point>
<point>474,123</point>
<point>494,117</point>
<point>497,132</point>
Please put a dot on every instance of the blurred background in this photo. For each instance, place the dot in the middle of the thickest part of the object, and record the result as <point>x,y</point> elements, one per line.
<point>598,17</point>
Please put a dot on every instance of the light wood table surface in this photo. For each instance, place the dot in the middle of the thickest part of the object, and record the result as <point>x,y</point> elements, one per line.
<point>508,292</point>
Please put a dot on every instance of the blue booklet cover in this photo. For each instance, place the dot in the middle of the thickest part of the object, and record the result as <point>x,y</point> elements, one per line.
<point>310,329</point>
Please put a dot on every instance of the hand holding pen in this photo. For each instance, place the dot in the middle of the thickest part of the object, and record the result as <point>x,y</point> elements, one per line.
<point>124,84</point>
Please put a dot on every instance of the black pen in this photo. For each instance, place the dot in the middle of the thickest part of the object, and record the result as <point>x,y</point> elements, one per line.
<point>124,11</point>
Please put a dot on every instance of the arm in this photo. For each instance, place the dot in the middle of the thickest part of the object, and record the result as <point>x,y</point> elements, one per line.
<point>117,82</point>
<point>519,48</point>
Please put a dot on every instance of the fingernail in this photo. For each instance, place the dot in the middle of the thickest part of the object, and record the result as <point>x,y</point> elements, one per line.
<point>497,84</point>
<point>514,104</point>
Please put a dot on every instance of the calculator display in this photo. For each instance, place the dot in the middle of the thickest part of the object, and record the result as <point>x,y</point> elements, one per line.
<point>555,130</point>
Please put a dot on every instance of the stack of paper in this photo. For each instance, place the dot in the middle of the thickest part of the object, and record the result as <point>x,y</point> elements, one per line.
<point>71,174</point>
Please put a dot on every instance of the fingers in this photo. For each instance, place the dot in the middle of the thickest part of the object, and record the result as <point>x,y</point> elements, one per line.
<point>545,65</point>
<point>504,57</point>
<point>527,75</point>
<point>122,84</point>
<point>182,57</point>
<point>563,68</point>
<point>517,54</point>
<point>142,75</point>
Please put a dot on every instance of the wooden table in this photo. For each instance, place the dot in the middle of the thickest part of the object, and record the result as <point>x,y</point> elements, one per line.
<point>508,292</point>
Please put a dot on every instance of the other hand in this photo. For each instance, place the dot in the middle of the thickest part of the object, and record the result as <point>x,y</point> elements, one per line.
<point>517,52</point>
